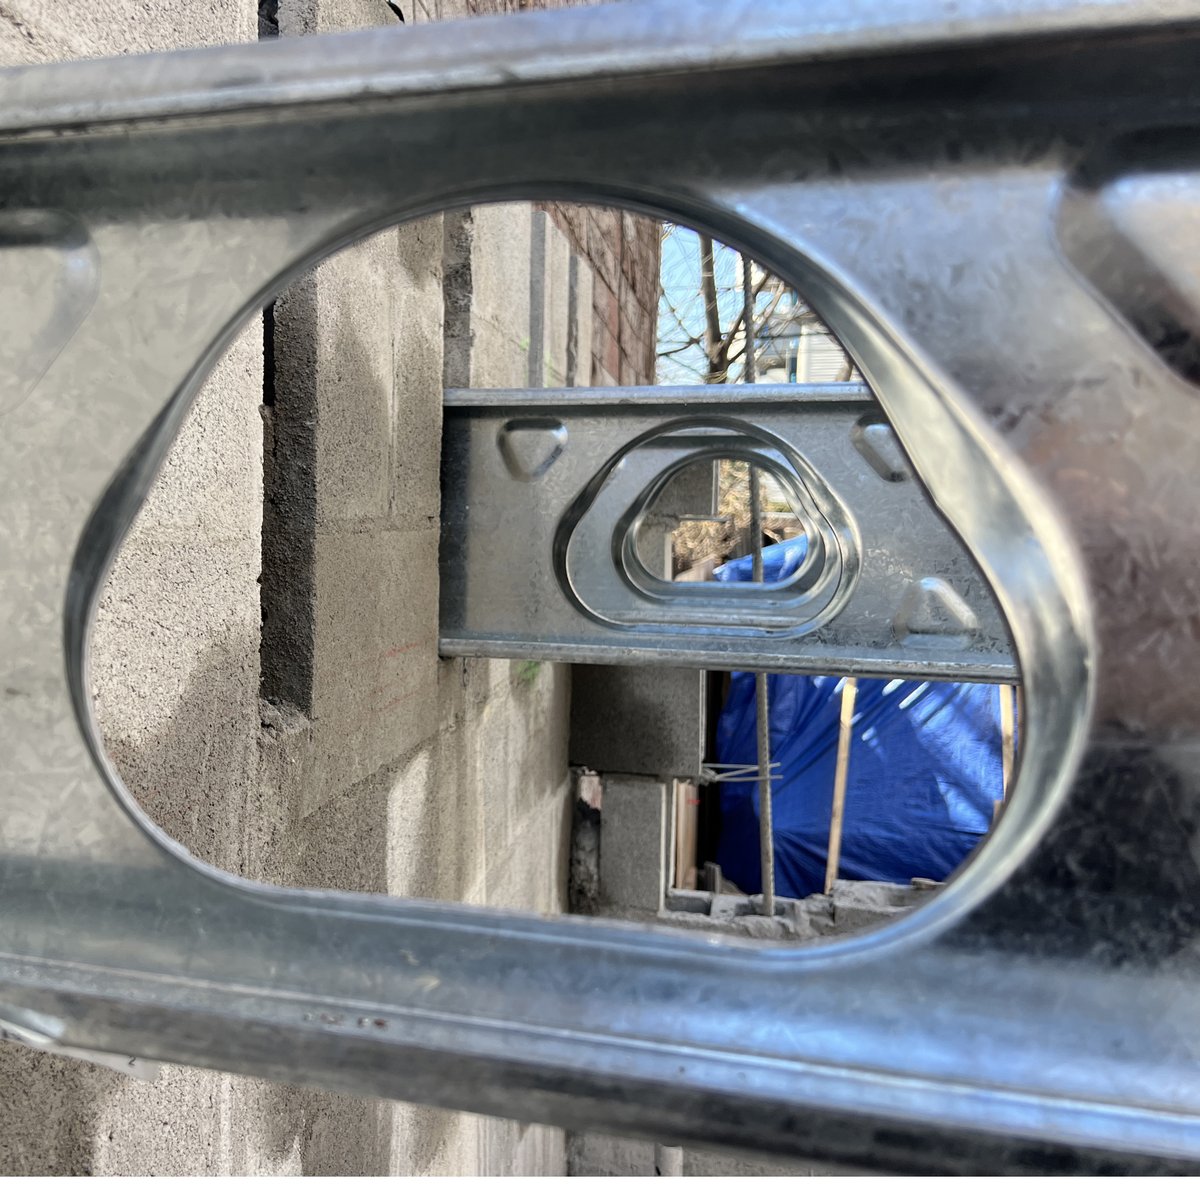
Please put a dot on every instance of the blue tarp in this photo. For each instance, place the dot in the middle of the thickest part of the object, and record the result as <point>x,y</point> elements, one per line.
<point>924,771</point>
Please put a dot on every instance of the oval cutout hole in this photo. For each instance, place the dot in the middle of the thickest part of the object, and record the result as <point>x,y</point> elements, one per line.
<point>700,528</point>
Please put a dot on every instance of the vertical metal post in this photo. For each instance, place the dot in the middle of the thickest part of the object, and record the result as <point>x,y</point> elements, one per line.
<point>841,773</point>
<point>766,826</point>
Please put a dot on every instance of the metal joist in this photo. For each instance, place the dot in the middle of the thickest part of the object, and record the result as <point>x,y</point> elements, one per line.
<point>964,199</point>
<point>545,491</point>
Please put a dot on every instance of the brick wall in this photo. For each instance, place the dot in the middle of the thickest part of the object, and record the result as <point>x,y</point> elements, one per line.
<point>623,250</point>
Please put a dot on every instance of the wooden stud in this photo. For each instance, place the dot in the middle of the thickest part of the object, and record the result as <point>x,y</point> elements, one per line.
<point>1008,703</point>
<point>849,694</point>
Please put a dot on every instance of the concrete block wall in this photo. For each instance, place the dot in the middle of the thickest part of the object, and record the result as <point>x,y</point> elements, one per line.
<point>638,720</point>
<point>600,1154</point>
<point>396,771</point>
<point>338,750</point>
<point>634,846</point>
<point>550,307</point>
<point>175,669</point>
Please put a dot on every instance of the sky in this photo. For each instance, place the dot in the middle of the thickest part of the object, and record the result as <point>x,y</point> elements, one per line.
<point>681,291</point>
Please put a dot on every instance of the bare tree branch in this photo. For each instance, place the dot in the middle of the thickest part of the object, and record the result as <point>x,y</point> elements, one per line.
<point>674,314</point>
<point>702,331</point>
<point>663,351</point>
<point>718,369</point>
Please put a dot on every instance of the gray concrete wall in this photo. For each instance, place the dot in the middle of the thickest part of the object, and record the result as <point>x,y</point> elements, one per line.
<point>341,752</point>
<point>600,1154</point>
<point>176,684</point>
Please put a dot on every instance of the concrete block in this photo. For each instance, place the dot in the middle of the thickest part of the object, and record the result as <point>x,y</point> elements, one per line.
<point>38,31</point>
<point>315,1133</point>
<point>498,238</point>
<point>692,492</point>
<point>301,17</point>
<point>175,683</point>
<point>490,738</point>
<point>504,762</point>
<point>434,1141</point>
<point>600,1154</point>
<point>540,226</point>
<point>638,720</point>
<point>654,544</point>
<point>417,333</point>
<point>354,430</point>
<point>350,577</point>
<point>376,650</point>
<point>633,844</point>
<point>211,483</point>
<point>532,876</point>
<point>457,812</point>
<point>603,1155</point>
<point>581,289</point>
<point>289,517</point>
<point>539,721</point>
<point>48,1112</point>
<point>435,824</point>
<point>465,825</point>
<point>522,1149</point>
<point>190,1122</point>
<point>340,843</point>
<point>353,335</point>
<point>549,303</point>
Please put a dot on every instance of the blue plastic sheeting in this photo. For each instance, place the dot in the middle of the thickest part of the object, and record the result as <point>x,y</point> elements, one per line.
<point>924,771</point>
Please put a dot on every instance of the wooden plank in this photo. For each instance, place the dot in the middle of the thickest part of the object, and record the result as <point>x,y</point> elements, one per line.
<point>1008,703</point>
<point>687,819</point>
<point>845,728</point>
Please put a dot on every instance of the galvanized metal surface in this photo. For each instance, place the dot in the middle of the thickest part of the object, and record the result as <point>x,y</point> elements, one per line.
<point>545,491</point>
<point>970,201</point>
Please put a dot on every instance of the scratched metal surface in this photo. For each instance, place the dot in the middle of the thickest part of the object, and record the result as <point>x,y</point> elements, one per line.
<point>995,210</point>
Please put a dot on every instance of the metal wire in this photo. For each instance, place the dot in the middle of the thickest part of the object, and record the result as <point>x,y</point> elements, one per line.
<point>737,772</point>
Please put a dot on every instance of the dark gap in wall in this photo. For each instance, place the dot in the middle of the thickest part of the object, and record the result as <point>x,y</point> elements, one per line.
<point>268,19</point>
<point>289,411</point>
<point>267,411</point>
<point>268,27</point>
<point>269,355</point>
